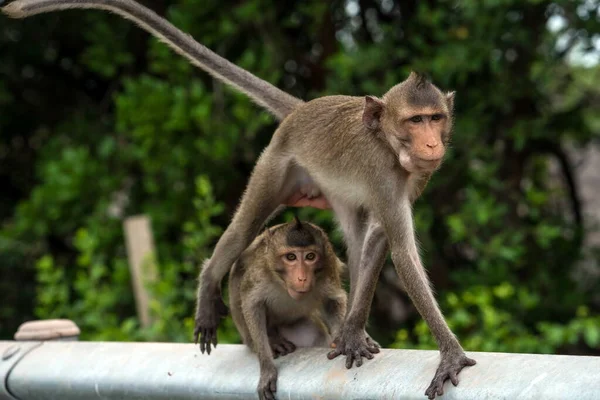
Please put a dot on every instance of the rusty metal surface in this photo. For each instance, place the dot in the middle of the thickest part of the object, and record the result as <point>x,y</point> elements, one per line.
<point>103,370</point>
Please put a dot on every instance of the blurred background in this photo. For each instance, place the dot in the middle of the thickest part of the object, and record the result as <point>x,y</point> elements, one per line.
<point>99,121</point>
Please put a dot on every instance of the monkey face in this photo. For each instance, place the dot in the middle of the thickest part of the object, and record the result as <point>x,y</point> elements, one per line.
<point>298,267</point>
<point>417,140</point>
<point>415,119</point>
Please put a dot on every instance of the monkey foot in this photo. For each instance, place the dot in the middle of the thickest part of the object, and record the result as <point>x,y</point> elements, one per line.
<point>449,368</point>
<point>267,385</point>
<point>207,322</point>
<point>281,346</point>
<point>354,346</point>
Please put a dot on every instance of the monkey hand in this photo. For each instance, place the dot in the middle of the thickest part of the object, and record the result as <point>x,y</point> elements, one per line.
<point>281,346</point>
<point>267,385</point>
<point>450,365</point>
<point>208,314</point>
<point>355,345</point>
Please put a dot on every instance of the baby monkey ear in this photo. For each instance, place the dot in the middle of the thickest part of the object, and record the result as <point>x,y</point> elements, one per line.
<point>372,112</point>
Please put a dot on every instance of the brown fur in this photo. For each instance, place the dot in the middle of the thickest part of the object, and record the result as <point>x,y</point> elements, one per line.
<point>367,157</point>
<point>271,321</point>
<point>371,160</point>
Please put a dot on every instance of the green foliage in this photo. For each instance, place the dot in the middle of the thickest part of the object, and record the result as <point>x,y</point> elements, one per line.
<point>137,130</point>
<point>486,319</point>
<point>99,295</point>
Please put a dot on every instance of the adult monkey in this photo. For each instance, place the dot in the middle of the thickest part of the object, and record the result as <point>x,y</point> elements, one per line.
<point>370,157</point>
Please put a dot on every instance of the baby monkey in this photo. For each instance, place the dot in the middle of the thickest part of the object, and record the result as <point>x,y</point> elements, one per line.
<point>285,292</point>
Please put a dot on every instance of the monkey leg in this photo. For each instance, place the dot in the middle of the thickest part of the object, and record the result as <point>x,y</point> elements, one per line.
<point>266,190</point>
<point>334,312</point>
<point>398,225</point>
<point>353,341</point>
<point>352,222</point>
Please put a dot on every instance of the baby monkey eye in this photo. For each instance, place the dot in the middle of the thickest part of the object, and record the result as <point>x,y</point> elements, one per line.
<point>311,256</point>
<point>436,117</point>
<point>290,256</point>
<point>416,119</point>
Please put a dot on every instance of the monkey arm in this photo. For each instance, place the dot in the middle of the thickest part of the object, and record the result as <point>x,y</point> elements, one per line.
<point>255,315</point>
<point>398,225</point>
<point>334,311</point>
<point>278,102</point>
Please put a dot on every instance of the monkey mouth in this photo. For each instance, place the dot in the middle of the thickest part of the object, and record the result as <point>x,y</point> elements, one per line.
<point>429,164</point>
<point>420,165</point>
<point>297,294</point>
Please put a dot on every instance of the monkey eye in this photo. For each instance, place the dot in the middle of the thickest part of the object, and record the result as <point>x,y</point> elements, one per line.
<point>311,256</point>
<point>290,257</point>
<point>416,119</point>
<point>436,117</point>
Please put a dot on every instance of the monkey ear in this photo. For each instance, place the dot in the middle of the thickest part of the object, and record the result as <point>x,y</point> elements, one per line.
<point>372,113</point>
<point>450,100</point>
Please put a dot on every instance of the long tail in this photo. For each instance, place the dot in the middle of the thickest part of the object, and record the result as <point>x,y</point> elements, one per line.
<point>278,102</point>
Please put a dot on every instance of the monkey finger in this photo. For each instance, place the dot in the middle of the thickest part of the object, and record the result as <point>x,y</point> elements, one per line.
<point>353,357</point>
<point>440,389</point>
<point>279,350</point>
<point>372,343</point>
<point>373,350</point>
<point>214,339</point>
<point>358,358</point>
<point>429,393</point>
<point>453,378</point>
<point>206,340</point>
<point>289,347</point>
<point>469,362</point>
<point>202,345</point>
<point>367,354</point>
<point>333,354</point>
<point>349,361</point>
<point>268,392</point>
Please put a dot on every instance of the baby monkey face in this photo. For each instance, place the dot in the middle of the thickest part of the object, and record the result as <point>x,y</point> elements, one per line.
<point>298,269</point>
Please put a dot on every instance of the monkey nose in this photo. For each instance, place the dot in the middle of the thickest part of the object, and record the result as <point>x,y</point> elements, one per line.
<point>301,279</point>
<point>432,145</point>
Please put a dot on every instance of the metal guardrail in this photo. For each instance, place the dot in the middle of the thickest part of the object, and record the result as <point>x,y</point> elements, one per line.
<point>113,370</point>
